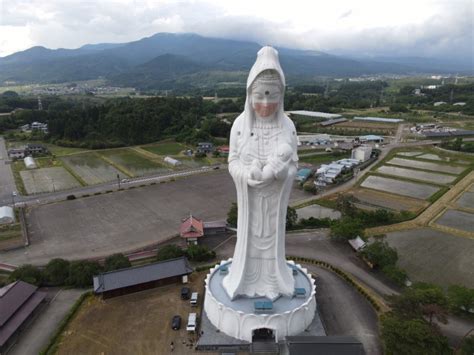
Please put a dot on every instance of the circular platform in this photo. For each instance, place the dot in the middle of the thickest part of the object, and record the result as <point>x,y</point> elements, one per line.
<point>242,317</point>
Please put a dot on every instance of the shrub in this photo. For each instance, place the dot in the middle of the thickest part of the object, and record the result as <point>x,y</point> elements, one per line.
<point>116,262</point>
<point>70,197</point>
<point>57,271</point>
<point>27,273</point>
<point>81,273</point>
<point>170,251</point>
<point>199,253</point>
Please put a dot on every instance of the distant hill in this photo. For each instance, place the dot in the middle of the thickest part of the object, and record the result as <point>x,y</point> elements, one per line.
<point>165,59</point>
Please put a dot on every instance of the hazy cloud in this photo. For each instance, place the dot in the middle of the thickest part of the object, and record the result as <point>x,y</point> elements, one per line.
<point>405,27</point>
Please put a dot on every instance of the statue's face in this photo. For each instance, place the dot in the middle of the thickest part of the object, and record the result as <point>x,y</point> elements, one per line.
<point>266,97</point>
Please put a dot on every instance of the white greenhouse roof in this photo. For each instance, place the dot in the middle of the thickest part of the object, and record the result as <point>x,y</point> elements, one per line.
<point>315,114</point>
<point>379,119</point>
<point>7,215</point>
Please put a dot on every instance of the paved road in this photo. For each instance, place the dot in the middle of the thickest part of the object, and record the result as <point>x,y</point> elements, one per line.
<point>7,183</point>
<point>37,335</point>
<point>344,311</point>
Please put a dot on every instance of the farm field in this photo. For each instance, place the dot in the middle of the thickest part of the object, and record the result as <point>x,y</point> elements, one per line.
<point>317,211</point>
<point>466,200</point>
<point>47,180</point>
<point>165,148</point>
<point>132,163</point>
<point>433,256</point>
<point>318,159</point>
<point>377,199</point>
<point>91,168</point>
<point>399,187</point>
<point>409,154</point>
<point>457,220</point>
<point>388,128</point>
<point>418,164</point>
<point>417,174</point>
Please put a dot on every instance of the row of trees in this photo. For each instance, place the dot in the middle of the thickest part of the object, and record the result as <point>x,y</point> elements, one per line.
<point>459,145</point>
<point>59,272</point>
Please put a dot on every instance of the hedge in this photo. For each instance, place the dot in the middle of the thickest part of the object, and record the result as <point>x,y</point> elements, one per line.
<point>54,340</point>
<point>343,275</point>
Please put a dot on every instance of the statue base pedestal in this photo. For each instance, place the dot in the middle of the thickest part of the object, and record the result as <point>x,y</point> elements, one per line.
<point>243,319</point>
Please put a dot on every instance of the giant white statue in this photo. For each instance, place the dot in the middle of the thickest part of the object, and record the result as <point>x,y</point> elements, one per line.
<point>262,161</point>
<point>257,291</point>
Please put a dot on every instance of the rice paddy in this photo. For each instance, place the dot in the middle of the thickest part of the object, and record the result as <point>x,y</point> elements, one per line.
<point>404,188</point>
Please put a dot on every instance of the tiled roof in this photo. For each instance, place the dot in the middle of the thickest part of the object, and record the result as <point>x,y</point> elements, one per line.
<point>17,302</point>
<point>113,280</point>
<point>191,228</point>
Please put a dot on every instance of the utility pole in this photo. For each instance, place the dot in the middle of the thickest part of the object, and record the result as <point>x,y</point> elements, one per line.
<point>13,198</point>
<point>118,181</point>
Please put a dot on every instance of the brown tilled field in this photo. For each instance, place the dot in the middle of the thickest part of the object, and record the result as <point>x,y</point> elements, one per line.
<point>138,323</point>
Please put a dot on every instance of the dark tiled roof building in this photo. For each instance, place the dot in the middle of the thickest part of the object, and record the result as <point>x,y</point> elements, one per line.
<point>134,279</point>
<point>18,303</point>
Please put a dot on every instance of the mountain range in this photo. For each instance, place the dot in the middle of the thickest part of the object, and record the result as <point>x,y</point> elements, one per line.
<point>166,60</point>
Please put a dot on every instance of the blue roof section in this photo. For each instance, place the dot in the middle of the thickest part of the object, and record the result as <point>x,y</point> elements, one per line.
<point>117,279</point>
<point>304,172</point>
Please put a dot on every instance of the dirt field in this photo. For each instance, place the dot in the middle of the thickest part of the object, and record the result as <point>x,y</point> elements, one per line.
<point>434,256</point>
<point>385,200</point>
<point>126,220</point>
<point>48,180</point>
<point>138,323</point>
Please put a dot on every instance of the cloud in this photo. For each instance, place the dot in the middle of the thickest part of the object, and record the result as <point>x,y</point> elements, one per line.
<point>405,27</point>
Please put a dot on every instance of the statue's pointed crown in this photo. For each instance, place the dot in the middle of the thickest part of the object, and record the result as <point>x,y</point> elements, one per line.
<point>267,59</point>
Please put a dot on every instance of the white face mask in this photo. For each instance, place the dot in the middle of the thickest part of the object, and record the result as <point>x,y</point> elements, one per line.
<point>266,97</point>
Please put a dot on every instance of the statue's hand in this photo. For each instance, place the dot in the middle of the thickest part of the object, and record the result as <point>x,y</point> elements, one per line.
<point>255,173</point>
<point>258,184</point>
<point>279,168</point>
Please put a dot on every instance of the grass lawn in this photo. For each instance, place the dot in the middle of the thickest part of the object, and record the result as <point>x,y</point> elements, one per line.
<point>10,231</point>
<point>165,148</point>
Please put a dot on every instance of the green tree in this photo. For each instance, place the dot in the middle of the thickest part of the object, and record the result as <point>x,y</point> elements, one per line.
<point>411,337</point>
<point>27,273</point>
<point>170,251</point>
<point>232,215</point>
<point>461,298</point>
<point>467,346</point>
<point>394,273</point>
<point>345,204</point>
<point>380,254</point>
<point>197,252</point>
<point>57,271</point>
<point>116,262</point>
<point>81,273</point>
<point>346,228</point>
<point>422,299</point>
<point>291,217</point>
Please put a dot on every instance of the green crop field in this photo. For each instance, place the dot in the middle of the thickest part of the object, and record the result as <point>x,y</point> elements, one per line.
<point>165,148</point>
<point>131,163</point>
<point>91,168</point>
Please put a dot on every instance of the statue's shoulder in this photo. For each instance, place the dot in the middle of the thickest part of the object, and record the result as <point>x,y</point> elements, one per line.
<point>238,122</point>
<point>288,124</point>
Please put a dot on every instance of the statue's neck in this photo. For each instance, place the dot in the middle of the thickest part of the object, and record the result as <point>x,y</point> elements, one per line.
<point>267,122</point>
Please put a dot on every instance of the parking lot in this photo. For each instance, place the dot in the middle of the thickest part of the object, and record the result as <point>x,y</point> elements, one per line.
<point>123,221</point>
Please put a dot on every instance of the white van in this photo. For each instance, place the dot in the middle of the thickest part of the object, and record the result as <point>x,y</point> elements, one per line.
<point>191,326</point>
<point>194,299</point>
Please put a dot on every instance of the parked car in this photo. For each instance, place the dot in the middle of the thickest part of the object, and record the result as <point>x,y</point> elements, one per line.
<point>185,293</point>
<point>176,322</point>
<point>194,299</point>
<point>192,322</point>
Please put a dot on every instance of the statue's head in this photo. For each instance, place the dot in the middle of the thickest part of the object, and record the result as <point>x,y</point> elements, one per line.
<point>265,85</point>
<point>266,93</point>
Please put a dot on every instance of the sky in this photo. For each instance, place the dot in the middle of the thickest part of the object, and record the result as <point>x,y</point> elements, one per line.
<point>423,28</point>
